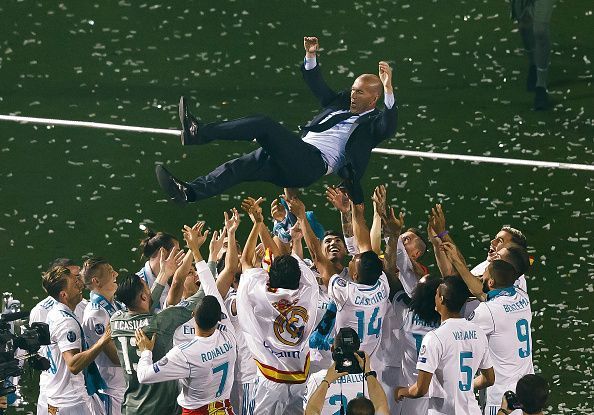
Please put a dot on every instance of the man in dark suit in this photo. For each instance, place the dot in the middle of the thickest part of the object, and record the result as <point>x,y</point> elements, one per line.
<point>338,140</point>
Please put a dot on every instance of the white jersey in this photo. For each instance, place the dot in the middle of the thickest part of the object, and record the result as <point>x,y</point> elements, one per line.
<point>184,333</point>
<point>340,392</point>
<point>454,352</point>
<point>245,367</point>
<point>361,307</point>
<point>63,388</point>
<point>390,350</point>
<point>39,314</point>
<point>506,319</point>
<point>412,330</point>
<point>278,322</point>
<point>204,365</point>
<point>146,273</point>
<point>96,316</point>
<point>321,359</point>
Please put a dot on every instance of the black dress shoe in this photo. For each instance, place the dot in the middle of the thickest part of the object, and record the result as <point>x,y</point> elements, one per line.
<point>178,191</point>
<point>190,125</point>
<point>541,99</point>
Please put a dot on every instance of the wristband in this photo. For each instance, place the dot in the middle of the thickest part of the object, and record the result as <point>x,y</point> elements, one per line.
<point>370,373</point>
<point>506,412</point>
<point>324,380</point>
<point>442,234</point>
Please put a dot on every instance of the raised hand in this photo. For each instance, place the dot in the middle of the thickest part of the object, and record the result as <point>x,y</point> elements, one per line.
<point>379,200</point>
<point>392,224</point>
<point>252,207</point>
<point>438,221</point>
<point>170,263</point>
<point>296,232</point>
<point>232,221</point>
<point>338,198</point>
<point>194,236</point>
<point>385,75</point>
<point>277,211</point>
<point>297,207</point>
<point>216,244</point>
<point>311,45</point>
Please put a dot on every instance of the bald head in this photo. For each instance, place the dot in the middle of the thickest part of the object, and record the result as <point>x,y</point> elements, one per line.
<point>365,93</point>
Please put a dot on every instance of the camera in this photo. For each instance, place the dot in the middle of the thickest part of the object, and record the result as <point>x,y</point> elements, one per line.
<point>346,344</point>
<point>512,400</point>
<point>19,342</point>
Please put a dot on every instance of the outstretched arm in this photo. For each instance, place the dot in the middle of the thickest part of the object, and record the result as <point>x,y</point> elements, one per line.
<point>341,202</point>
<point>393,227</point>
<point>247,256</point>
<point>313,76</point>
<point>474,284</point>
<point>379,211</point>
<point>360,229</point>
<point>324,266</point>
<point>225,279</point>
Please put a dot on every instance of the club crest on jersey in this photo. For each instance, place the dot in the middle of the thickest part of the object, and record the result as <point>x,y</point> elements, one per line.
<point>99,329</point>
<point>71,336</point>
<point>423,350</point>
<point>290,324</point>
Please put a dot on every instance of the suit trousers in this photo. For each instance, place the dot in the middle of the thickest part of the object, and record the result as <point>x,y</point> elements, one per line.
<point>283,159</point>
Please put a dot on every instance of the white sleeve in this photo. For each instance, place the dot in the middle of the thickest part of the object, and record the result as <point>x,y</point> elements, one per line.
<point>351,245</point>
<point>306,273</point>
<point>66,333</point>
<point>310,63</point>
<point>338,291</point>
<point>406,274</point>
<point>172,366</point>
<point>430,353</point>
<point>483,318</point>
<point>389,100</point>
<point>209,286</point>
<point>486,362</point>
<point>94,325</point>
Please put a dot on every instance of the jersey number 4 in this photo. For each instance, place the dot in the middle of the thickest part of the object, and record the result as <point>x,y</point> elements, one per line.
<point>374,326</point>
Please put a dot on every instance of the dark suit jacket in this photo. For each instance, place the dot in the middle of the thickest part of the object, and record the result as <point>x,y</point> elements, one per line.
<point>371,129</point>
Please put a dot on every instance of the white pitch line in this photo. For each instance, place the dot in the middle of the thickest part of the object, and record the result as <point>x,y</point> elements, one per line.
<point>385,151</point>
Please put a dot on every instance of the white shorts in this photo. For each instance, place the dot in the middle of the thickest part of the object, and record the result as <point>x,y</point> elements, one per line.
<point>390,378</point>
<point>274,398</point>
<point>112,404</point>
<point>243,397</point>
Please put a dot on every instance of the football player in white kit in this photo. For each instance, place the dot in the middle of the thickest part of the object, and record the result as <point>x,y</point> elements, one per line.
<point>414,318</point>
<point>39,314</point>
<point>277,313</point>
<point>73,376</point>
<point>506,319</point>
<point>205,364</point>
<point>450,356</point>
<point>100,277</point>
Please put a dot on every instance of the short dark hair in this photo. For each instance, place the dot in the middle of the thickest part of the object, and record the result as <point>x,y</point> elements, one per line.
<point>360,406</point>
<point>518,257</point>
<point>207,313</point>
<point>155,241</point>
<point>517,236</point>
<point>422,302</point>
<point>61,262</point>
<point>129,289</point>
<point>370,267</point>
<point>284,273</point>
<point>332,232</point>
<point>91,267</point>
<point>55,280</point>
<point>503,273</point>
<point>455,292</point>
<point>532,392</point>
